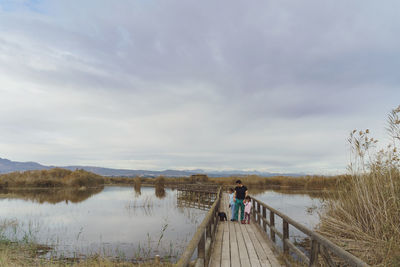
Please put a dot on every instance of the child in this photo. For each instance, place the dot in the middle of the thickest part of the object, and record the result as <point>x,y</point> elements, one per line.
<point>247,209</point>
<point>232,203</point>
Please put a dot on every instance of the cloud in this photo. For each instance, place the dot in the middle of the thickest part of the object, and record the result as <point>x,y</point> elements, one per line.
<point>266,85</point>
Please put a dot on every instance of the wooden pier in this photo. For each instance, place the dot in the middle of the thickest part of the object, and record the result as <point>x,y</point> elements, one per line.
<point>231,244</point>
<point>241,245</point>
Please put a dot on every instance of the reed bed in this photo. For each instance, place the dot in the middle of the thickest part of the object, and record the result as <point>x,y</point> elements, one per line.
<point>56,177</point>
<point>309,182</point>
<point>364,217</point>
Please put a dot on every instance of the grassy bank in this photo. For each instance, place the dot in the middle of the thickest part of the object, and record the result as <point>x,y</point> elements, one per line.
<point>305,182</point>
<point>56,177</point>
<point>27,255</point>
<point>364,217</point>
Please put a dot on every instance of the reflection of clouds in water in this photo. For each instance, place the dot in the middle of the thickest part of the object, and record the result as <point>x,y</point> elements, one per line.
<point>296,206</point>
<point>302,208</point>
<point>103,223</point>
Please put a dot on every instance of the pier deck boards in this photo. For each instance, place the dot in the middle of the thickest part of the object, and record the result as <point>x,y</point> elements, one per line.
<point>241,245</point>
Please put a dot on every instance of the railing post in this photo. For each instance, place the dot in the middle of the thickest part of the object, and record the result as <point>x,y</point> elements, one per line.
<point>208,231</point>
<point>272,224</point>
<point>201,248</point>
<point>253,210</point>
<point>264,217</point>
<point>157,260</point>
<point>258,212</point>
<point>285,236</point>
<point>212,227</point>
<point>314,253</point>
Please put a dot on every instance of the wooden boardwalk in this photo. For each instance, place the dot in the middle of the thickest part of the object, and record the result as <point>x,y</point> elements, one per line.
<point>240,245</point>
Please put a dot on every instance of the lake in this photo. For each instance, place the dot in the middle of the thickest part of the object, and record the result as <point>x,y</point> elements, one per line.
<point>119,222</point>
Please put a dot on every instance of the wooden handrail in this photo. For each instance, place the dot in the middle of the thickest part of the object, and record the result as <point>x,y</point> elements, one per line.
<point>203,238</point>
<point>199,187</point>
<point>319,244</point>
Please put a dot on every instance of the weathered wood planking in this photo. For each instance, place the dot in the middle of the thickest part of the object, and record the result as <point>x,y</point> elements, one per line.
<point>240,245</point>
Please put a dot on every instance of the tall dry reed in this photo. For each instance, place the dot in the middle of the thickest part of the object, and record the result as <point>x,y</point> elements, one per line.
<point>56,177</point>
<point>365,217</point>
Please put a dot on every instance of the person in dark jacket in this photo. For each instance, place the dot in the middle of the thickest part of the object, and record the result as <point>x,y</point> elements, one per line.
<point>240,194</point>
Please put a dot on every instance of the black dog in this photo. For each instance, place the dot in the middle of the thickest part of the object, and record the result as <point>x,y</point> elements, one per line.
<point>222,216</point>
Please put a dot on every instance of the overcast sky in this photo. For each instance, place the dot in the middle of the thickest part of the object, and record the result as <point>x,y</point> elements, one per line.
<point>252,85</point>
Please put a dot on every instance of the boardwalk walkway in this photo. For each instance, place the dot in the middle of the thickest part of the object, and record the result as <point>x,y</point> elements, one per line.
<point>241,245</point>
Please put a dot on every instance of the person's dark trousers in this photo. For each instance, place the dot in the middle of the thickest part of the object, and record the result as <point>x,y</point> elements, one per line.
<point>247,217</point>
<point>239,204</point>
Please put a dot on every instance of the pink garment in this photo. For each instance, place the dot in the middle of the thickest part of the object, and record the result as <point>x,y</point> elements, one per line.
<point>247,207</point>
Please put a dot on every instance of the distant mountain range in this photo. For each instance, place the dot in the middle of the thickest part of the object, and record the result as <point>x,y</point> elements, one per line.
<point>7,166</point>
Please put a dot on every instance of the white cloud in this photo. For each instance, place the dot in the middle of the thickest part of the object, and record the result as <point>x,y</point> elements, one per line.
<point>153,85</point>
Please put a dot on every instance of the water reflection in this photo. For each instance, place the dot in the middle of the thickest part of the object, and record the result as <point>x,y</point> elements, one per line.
<point>116,221</point>
<point>159,191</point>
<point>320,194</point>
<point>137,185</point>
<point>302,206</point>
<point>193,199</point>
<point>53,196</point>
<point>138,190</point>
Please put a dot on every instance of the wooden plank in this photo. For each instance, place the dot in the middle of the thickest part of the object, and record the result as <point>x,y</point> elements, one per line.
<point>262,255</point>
<point>250,247</point>
<point>243,255</point>
<point>225,263</point>
<point>216,251</point>
<point>226,249</point>
<point>225,255</point>
<point>234,246</point>
<point>262,239</point>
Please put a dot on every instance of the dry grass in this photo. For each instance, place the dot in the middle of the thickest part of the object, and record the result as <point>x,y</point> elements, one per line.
<point>305,182</point>
<point>364,218</point>
<point>310,182</point>
<point>16,251</point>
<point>56,177</point>
<point>12,255</point>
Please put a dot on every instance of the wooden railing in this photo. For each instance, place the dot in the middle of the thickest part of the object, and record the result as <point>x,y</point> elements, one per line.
<point>203,238</point>
<point>320,246</point>
<point>196,199</point>
<point>198,187</point>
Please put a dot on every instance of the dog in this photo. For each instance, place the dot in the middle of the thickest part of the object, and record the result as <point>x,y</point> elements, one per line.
<point>222,216</point>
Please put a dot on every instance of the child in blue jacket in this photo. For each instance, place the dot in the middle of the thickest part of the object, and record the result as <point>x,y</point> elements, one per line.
<point>232,203</point>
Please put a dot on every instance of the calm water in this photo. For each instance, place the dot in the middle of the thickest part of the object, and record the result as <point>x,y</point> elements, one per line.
<point>119,222</point>
<point>116,222</point>
<point>302,207</point>
<point>299,206</point>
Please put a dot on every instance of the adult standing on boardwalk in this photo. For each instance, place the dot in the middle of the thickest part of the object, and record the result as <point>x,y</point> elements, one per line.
<point>240,194</point>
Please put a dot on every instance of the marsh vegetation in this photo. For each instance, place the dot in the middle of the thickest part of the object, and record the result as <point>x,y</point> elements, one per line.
<point>364,216</point>
<point>56,177</point>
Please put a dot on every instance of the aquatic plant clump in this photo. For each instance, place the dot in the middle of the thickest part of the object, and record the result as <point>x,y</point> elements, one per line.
<point>364,217</point>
